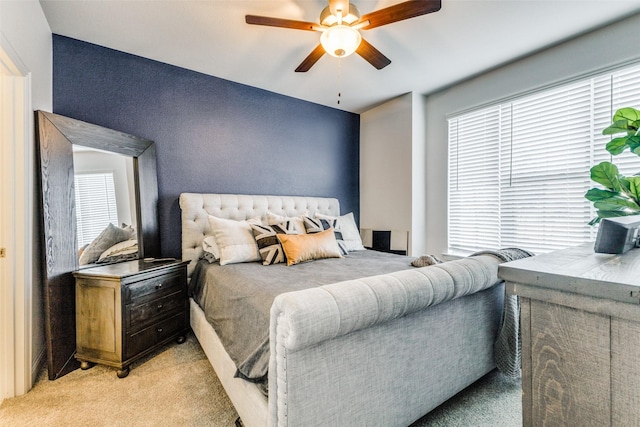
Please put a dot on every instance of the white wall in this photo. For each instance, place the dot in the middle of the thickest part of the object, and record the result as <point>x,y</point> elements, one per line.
<point>589,53</point>
<point>418,176</point>
<point>24,28</point>
<point>385,166</point>
<point>123,179</point>
<point>392,158</point>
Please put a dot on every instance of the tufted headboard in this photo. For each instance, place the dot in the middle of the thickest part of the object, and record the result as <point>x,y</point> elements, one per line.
<point>196,209</point>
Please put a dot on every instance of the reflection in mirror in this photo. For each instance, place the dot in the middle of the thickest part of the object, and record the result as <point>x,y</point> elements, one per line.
<point>105,206</point>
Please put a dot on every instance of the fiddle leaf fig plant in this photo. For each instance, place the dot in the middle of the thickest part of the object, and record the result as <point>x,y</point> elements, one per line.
<point>621,194</point>
<point>627,121</point>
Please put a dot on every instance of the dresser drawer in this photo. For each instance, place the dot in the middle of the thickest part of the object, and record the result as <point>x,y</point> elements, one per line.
<point>154,287</point>
<point>152,335</point>
<point>138,316</point>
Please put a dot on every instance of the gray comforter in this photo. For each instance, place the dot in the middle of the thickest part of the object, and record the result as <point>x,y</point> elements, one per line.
<point>237,298</point>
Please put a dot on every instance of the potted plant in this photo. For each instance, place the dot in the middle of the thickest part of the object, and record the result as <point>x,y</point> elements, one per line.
<point>621,194</point>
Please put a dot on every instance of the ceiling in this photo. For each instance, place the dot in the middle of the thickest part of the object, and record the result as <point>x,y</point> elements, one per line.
<point>464,38</point>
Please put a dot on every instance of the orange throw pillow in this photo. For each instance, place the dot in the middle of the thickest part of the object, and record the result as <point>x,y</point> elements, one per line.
<point>305,247</point>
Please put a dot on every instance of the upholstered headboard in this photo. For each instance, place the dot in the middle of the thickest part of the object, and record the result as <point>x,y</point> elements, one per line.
<point>196,209</point>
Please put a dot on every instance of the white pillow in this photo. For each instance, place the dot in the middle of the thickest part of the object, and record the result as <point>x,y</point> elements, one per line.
<point>131,229</point>
<point>210,248</point>
<point>346,224</point>
<point>235,240</point>
<point>107,238</point>
<point>123,251</point>
<point>292,224</point>
<point>122,248</point>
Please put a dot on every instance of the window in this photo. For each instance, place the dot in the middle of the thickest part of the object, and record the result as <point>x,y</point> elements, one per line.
<point>95,205</point>
<point>518,171</point>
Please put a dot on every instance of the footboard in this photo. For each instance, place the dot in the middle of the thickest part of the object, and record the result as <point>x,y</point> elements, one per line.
<point>382,350</point>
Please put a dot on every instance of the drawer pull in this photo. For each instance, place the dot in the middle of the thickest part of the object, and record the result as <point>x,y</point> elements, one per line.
<point>159,286</point>
<point>159,330</point>
<point>160,306</point>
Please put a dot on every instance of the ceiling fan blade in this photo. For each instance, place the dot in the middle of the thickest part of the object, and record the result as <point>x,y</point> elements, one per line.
<point>283,23</point>
<point>399,12</point>
<point>372,55</point>
<point>311,59</point>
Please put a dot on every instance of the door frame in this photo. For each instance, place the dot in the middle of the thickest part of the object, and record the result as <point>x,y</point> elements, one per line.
<point>16,224</point>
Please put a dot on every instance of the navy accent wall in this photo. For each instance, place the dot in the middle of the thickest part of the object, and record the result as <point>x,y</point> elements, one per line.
<point>212,135</point>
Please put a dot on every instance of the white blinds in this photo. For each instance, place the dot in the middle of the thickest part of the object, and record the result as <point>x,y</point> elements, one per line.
<point>474,197</point>
<point>95,205</point>
<point>518,171</point>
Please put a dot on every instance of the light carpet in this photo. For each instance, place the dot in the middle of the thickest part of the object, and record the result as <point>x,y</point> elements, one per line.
<point>176,386</point>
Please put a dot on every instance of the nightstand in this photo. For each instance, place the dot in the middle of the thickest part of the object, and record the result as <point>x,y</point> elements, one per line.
<point>392,241</point>
<point>125,311</point>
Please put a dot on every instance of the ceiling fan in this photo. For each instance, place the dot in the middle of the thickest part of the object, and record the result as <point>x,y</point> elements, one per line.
<point>339,25</point>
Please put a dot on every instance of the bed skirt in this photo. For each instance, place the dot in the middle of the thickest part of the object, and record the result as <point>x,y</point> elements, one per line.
<point>247,398</point>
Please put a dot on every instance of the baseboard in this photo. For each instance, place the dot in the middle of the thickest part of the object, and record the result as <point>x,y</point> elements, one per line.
<point>38,363</point>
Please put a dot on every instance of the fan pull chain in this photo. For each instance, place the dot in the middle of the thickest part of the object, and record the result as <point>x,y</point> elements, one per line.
<point>339,78</point>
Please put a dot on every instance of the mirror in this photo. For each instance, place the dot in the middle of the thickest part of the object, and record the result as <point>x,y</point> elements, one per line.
<point>104,200</point>
<point>56,137</point>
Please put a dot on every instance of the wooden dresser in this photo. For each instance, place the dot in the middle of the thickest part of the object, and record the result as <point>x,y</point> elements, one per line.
<point>580,325</point>
<point>126,310</point>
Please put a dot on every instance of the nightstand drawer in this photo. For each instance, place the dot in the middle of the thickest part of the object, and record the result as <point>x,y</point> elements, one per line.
<point>152,335</point>
<point>138,316</point>
<point>155,287</point>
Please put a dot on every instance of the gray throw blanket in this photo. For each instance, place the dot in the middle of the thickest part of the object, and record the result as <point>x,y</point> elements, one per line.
<point>507,348</point>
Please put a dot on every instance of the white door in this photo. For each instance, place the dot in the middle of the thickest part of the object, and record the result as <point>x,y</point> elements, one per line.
<point>16,218</point>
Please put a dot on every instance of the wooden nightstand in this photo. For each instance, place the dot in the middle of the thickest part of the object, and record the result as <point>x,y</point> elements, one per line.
<point>126,310</point>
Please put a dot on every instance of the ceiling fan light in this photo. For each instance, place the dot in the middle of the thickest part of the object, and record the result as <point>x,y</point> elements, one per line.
<point>340,40</point>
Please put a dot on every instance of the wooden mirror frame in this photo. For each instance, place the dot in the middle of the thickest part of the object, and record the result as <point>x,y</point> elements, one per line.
<point>55,136</point>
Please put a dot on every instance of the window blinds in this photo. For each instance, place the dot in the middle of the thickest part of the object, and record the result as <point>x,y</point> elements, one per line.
<point>95,205</point>
<point>474,198</point>
<point>518,171</point>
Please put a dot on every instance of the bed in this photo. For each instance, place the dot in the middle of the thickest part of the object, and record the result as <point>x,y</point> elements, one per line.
<point>382,344</point>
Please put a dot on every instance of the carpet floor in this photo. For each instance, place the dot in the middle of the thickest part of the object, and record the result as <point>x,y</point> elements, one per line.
<point>177,386</point>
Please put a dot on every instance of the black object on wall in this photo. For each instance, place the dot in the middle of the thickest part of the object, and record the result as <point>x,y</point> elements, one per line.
<point>211,135</point>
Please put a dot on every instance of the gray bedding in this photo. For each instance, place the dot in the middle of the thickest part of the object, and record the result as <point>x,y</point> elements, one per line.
<point>237,298</point>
